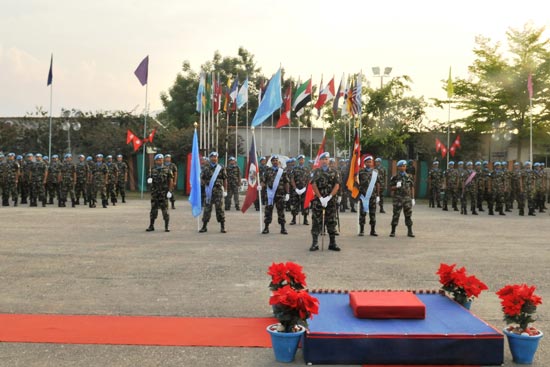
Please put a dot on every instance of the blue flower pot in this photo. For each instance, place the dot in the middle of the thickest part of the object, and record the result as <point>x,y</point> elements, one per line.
<point>284,345</point>
<point>523,347</point>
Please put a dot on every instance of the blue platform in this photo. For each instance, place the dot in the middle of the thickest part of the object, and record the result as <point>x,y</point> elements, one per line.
<point>449,334</point>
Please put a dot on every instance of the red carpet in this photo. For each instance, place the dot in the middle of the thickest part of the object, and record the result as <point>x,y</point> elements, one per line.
<point>136,330</point>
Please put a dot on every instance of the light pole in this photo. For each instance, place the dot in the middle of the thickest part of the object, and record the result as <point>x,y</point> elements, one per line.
<point>67,125</point>
<point>376,72</point>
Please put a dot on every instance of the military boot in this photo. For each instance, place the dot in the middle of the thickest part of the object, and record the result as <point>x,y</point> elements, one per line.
<point>474,212</point>
<point>166,222</point>
<point>73,203</point>
<point>266,229</point>
<point>77,201</point>
<point>5,202</point>
<point>113,201</point>
<point>410,231</point>
<point>43,203</point>
<point>314,246</point>
<point>151,226</point>
<point>222,227</point>
<point>51,200</point>
<point>15,202</point>
<point>23,200</point>
<point>306,223</point>
<point>283,230</point>
<point>293,221</point>
<point>501,212</point>
<point>373,231</point>
<point>361,230</point>
<point>392,234</point>
<point>332,244</point>
<point>105,202</point>
<point>532,212</point>
<point>123,199</point>
<point>521,212</point>
<point>203,228</point>
<point>382,209</point>
<point>445,208</point>
<point>491,212</point>
<point>173,206</point>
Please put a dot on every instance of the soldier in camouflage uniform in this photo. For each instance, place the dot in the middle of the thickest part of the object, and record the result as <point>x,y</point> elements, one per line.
<point>539,187</point>
<point>98,178</point>
<point>122,178</point>
<point>67,180</point>
<point>214,180</point>
<point>38,177</point>
<point>487,186</point>
<point>508,180</point>
<point>451,187</point>
<point>112,173</point>
<point>516,189</point>
<point>52,185</point>
<point>298,182</point>
<point>25,183</point>
<point>528,181</point>
<point>435,180</point>
<point>19,160</point>
<point>480,186</point>
<point>261,170</point>
<point>233,183</point>
<point>276,185</point>
<point>290,163</point>
<point>325,182</point>
<point>469,184</point>
<point>345,194</point>
<point>383,177</point>
<point>161,180</point>
<point>2,173</point>
<point>365,177</point>
<point>498,187</point>
<point>402,187</point>
<point>81,178</point>
<point>11,174</point>
<point>174,168</point>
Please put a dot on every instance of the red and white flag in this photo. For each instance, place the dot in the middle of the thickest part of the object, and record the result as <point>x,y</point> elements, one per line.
<point>309,192</point>
<point>284,120</point>
<point>130,136</point>
<point>252,177</point>
<point>326,95</point>
<point>437,145</point>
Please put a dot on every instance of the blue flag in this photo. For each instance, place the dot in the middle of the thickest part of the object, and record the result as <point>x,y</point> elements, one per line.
<point>195,178</point>
<point>142,71</point>
<point>271,101</point>
<point>242,96</point>
<point>50,73</point>
<point>200,92</point>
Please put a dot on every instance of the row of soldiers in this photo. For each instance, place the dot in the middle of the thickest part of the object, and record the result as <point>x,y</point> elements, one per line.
<point>471,184</point>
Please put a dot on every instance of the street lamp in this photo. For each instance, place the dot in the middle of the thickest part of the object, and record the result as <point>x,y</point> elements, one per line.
<point>376,72</point>
<point>69,125</point>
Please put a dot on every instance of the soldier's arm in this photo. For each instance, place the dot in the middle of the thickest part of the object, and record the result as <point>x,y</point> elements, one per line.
<point>335,189</point>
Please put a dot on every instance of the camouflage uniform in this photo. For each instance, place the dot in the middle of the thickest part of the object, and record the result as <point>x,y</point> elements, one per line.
<point>487,183</point>
<point>498,186</point>
<point>480,186</point>
<point>469,191</point>
<point>263,195</point>
<point>112,173</point>
<point>528,182</point>
<point>39,172</point>
<point>24,180</point>
<point>298,181</point>
<point>540,188</point>
<point>12,172</point>
<point>174,169</point>
<point>217,194</point>
<point>279,198</point>
<point>3,167</point>
<point>162,178</point>
<point>507,194</point>
<point>81,179</point>
<point>402,200</point>
<point>233,185</point>
<point>383,179</point>
<point>516,190</point>
<point>122,177</point>
<point>98,181</point>
<point>67,180</point>
<point>89,182</point>
<point>52,185</point>
<point>435,179</point>
<point>327,180</point>
<point>451,188</point>
<point>345,193</point>
<point>365,177</point>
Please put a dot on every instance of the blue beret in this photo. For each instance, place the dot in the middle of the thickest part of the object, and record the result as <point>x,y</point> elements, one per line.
<point>46,157</point>
<point>168,156</point>
<point>378,160</point>
<point>301,156</point>
<point>11,154</point>
<point>368,158</point>
<point>212,154</point>
<point>324,155</point>
<point>263,158</point>
<point>159,156</point>
<point>516,163</point>
<point>68,155</point>
<point>451,163</point>
<point>478,163</point>
<point>527,163</point>
<point>89,158</point>
<point>496,164</point>
<point>28,155</point>
<point>401,163</point>
<point>99,155</point>
<point>485,162</point>
<point>109,157</point>
<point>434,162</point>
<point>81,156</point>
<point>19,157</point>
<point>290,160</point>
<point>119,156</point>
<point>504,163</point>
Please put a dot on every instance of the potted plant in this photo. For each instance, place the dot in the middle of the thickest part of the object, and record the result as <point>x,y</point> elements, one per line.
<point>519,304</point>
<point>462,287</point>
<point>292,306</point>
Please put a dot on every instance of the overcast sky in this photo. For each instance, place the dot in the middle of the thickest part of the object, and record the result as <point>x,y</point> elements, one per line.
<point>98,44</point>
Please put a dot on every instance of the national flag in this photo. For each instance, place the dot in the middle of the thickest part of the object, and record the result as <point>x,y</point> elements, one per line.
<point>354,97</point>
<point>242,96</point>
<point>271,102</point>
<point>200,92</point>
<point>529,85</point>
<point>309,192</point>
<point>284,120</point>
<point>208,93</point>
<point>345,108</point>
<point>261,91</point>
<point>50,73</point>
<point>252,177</point>
<point>437,145</point>
<point>195,178</point>
<point>137,143</point>
<point>142,71</point>
<point>217,95</point>
<point>337,97</point>
<point>452,150</point>
<point>227,97</point>
<point>302,97</point>
<point>456,143</point>
<point>326,95</point>
<point>234,90</point>
<point>450,88</point>
<point>129,136</point>
<point>443,150</point>
<point>358,90</point>
<point>151,136</point>
<point>354,166</point>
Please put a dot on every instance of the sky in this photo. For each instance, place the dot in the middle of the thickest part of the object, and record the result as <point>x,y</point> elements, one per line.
<point>97,45</point>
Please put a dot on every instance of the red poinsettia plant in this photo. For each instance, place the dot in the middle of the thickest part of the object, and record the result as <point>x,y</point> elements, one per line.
<point>519,304</point>
<point>463,287</point>
<point>292,304</point>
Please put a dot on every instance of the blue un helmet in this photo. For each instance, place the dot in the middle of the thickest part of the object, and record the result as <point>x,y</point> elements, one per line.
<point>451,163</point>
<point>38,155</point>
<point>55,156</point>
<point>401,163</point>
<point>290,160</point>
<point>159,156</point>
<point>68,155</point>
<point>536,164</point>
<point>469,163</point>
<point>99,155</point>
<point>213,154</point>
<point>19,157</point>
<point>378,159</point>
<point>460,163</point>
<point>46,158</point>
<point>300,156</point>
<point>496,164</point>
<point>478,164</point>
<point>89,158</point>
<point>324,155</point>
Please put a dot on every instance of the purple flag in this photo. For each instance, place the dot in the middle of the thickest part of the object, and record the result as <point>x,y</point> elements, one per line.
<point>50,73</point>
<point>142,71</point>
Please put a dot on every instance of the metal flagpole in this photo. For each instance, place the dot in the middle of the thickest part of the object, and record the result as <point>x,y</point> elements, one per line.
<point>236,129</point>
<point>50,136</point>
<point>531,130</point>
<point>271,133</point>
<point>449,131</point>
<point>144,135</point>
<point>218,114</point>
<point>246,118</point>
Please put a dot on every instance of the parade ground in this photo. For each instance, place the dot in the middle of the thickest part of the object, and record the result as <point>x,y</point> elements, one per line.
<point>82,261</point>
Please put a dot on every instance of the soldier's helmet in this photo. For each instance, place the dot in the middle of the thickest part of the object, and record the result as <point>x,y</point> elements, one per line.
<point>478,163</point>
<point>99,155</point>
<point>402,162</point>
<point>68,155</point>
<point>451,163</point>
<point>89,158</point>
<point>55,156</point>
<point>159,156</point>
<point>46,158</point>
<point>19,157</point>
<point>536,164</point>
<point>496,164</point>
<point>213,154</point>
<point>38,155</point>
<point>378,159</point>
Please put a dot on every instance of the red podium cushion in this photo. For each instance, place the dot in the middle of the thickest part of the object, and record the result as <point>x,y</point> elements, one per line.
<point>386,305</point>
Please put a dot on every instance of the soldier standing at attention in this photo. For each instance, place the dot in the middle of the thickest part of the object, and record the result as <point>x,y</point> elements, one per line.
<point>289,170</point>
<point>480,186</point>
<point>2,173</point>
<point>298,183</point>
<point>325,182</point>
<point>81,178</point>
<point>12,173</point>
<point>451,187</point>
<point>89,184</point>
<point>498,186</point>
<point>261,169</point>
<point>161,181</point>
<point>122,177</point>
<point>540,187</point>
<point>516,189</point>
<point>174,168</point>
<point>435,178</point>
<point>233,183</point>
<point>469,189</point>
<point>98,179</point>
<point>26,166</point>
<point>112,170</point>
<point>66,179</point>
<point>369,191</point>
<point>39,174</point>
<point>402,187</point>
<point>528,182</point>
<point>277,185</point>
<point>52,186</point>
<point>383,176</point>
<point>214,180</point>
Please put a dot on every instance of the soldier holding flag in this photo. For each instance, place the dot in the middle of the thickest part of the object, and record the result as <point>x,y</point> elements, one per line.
<point>214,180</point>
<point>276,183</point>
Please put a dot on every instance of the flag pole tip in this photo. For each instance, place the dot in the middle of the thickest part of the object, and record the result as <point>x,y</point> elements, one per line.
<point>195,124</point>
<point>252,128</point>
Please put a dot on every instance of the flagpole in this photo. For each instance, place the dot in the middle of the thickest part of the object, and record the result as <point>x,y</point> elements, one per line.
<point>449,131</point>
<point>50,135</point>
<point>144,135</point>
<point>531,130</point>
<point>227,132</point>
<point>236,129</point>
<point>218,114</point>
<point>246,118</point>
<point>257,175</point>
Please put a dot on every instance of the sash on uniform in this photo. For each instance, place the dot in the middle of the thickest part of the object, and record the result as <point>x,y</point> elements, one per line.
<point>366,199</point>
<point>271,192</point>
<point>210,186</point>
<point>470,178</point>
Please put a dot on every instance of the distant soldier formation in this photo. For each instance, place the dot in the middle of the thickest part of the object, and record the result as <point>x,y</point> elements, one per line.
<point>498,186</point>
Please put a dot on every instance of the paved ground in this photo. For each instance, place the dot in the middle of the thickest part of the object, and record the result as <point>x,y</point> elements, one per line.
<point>101,261</point>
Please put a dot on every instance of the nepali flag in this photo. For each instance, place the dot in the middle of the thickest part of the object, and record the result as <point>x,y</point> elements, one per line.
<point>137,143</point>
<point>443,150</point>
<point>284,120</point>
<point>252,177</point>
<point>437,145</point>
<point>456,143</point>
<point>130,136</point>
<point>326,95</point>
<point>309,192</point>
